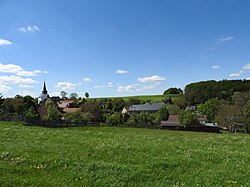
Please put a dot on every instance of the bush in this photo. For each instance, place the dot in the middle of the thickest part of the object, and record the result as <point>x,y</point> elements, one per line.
<point>173,109</point>
<point>78,117</point>
<point>142,119</point>
<point>188,119</point>
<point>114,119</point>
<point>163,114</point>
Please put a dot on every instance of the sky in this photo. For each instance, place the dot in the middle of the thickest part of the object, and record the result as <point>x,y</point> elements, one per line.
<point>120,47</point>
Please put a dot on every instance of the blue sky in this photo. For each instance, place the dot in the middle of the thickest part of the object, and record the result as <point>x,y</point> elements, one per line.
<point>120,47</point>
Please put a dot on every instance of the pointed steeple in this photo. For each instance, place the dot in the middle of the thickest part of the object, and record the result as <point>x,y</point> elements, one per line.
<point>44,89</point>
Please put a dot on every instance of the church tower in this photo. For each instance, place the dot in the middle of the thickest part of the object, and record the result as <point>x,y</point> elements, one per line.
<point>43,96</point>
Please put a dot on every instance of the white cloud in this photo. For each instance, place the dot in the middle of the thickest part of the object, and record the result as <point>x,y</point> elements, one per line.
<point>223,39</point>
<point>120,71</point>
<point>247,66</point>
<point>28,28</point>
<point>16,80</point>
<point>25,92</point>
<point>236,74</point>
<point>151,86</point>
<point>154,78</point>
<point>18,70</point>
<point>87,79</point>
<point>55,94</point>
<point>108,85</point>
<point>215,67</point>
<point>129,88</point>
<point>5,42</point>
<point>4,88</point>
<point>65,86</point>
<point>25,86</point>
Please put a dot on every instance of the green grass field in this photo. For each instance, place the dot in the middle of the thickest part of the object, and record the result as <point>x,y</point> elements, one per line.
<point>151,98</point>
<point>109,156</point>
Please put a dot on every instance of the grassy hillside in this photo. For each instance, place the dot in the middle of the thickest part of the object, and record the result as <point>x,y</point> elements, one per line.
<point>109,156</point>
<point>151,98</point>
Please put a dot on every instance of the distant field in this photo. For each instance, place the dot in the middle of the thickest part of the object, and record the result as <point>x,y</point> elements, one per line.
<point>151,98</point>
<point>109,156</point>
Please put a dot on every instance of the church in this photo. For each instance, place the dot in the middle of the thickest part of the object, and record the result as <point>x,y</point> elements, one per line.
<point>43,96</point>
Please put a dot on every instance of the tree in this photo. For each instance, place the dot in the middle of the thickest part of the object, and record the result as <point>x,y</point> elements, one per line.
<point>86,94</point>
<point>181,102</point>
<point>53,111</point>
<point>31,112</point>
<point>133,101</point>
<point>173,109</point>
<point>114,119</point>
<point>92,107</point>
<point>210,108</point>
<point>228,116</point>
<point>246,113</point>
<point>188,119</point>
<point>142,119</point>
<point>173,91</point>
<point>73,96</point>
<point>64,94</point>
<point>163,114</point>
<point>117,104</point>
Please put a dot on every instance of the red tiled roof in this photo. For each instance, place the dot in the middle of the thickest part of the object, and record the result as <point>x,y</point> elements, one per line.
<point>68,110</point>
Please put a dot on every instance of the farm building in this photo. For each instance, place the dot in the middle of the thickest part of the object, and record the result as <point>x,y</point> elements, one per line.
<point>147,107</point>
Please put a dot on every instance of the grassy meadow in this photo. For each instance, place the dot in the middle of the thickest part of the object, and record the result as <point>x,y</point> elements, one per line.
<point>146,98</point>
<point>109,156</point>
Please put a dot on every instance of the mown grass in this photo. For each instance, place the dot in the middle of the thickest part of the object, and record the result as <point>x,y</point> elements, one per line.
<point>146,98</point>
<point>109,156</point>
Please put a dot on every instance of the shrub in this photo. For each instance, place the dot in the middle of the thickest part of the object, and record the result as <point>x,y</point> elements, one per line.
<point>188,119</point>
<point>114,119</point>
<point>163,114</point>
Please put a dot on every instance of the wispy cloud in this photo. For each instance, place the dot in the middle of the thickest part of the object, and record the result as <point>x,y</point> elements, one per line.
<point>4,88</point>
<point>238,74</point>
<point>18,70</point>
<point>215,67</point>
<point>223,39</point>
<point>65,86</point>
<point>129,88</point>
<point>25,92</point>
<point>5,42</point>
<point>108,85</point>
<point>25,86</point>
<point>154,78</point>
<point>120,71</point>
<point>16,80</point>
<point>87,79</point>
<point>29,28</point>
<point>247,66</point>
<point>151,86</point>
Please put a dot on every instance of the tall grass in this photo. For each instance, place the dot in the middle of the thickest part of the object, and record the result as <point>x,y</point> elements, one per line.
<point>109,156</point>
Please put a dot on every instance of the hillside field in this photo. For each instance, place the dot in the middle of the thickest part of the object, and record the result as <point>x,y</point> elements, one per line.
<point>145,98</point>
<point>110,156</point>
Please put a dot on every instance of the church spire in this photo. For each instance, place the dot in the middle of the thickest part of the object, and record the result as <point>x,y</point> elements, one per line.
<point>44,89</point>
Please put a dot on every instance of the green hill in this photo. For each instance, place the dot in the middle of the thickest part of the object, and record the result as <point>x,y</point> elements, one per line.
<point>147,98</point>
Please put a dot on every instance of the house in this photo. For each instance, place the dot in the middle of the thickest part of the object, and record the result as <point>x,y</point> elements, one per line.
<point>147,107</point>
<point>70,110</point>
<point>65,103</point>
<point>171,124</point>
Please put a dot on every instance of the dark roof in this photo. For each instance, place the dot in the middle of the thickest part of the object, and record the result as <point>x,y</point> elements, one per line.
<point>44,89</point>
<point>146,107</point>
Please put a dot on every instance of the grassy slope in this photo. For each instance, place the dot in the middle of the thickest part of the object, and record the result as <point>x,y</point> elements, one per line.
<point>106,156</point>
<point>152,98</point>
